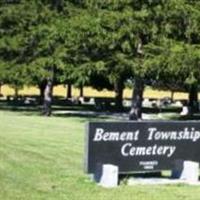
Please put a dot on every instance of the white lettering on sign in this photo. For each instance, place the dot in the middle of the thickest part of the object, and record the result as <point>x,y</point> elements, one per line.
<point>148,164</point>
<point>185,134</point>
<point>102,135</point>
<point>153,134</point>
<point>129,150</point>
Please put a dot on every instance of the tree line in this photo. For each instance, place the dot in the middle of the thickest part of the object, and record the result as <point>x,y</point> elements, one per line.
<point>101,43</point>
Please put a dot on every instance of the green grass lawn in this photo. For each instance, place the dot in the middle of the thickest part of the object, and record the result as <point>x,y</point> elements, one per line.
<point>42,158</point>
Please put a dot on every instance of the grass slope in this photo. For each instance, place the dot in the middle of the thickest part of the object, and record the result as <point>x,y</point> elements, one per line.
<point>42,158</point>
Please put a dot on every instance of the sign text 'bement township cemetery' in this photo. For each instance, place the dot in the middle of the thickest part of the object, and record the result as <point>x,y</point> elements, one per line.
<point>141,146</point>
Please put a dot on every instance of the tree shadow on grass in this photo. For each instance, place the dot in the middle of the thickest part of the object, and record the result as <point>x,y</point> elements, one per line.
<point>86,118</point>
<point>61,107</point>
<point>156,110</point>
<point>34,109</point>
<point>16,106</point>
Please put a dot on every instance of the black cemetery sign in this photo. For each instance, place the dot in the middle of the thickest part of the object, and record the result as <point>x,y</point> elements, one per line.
<point>141,146</point>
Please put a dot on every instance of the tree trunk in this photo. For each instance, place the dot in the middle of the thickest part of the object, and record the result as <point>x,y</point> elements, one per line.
<point>193,99</point>
<point>48,97</point>
<point>119,87</point>
<point>137,97</point>
<point>81,91</point>
<point>42,87</point>
<point>48,93</point>
<point>16,93</point>
<point>172,96</point>
<point>69,91</point>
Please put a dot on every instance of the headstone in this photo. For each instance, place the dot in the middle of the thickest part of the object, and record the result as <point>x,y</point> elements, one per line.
<point>92,102</point>
<point>146,103</point>
<point>186,170</point>
<point>190,171</point>
<point>109,176</point>
<point>81,100</point>
<point>178,104</point>
<point>127,103</point>
<point>27,101</point>
<point>185,111</point>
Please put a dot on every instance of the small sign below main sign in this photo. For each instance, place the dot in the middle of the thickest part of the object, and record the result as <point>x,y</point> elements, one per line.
<point>141,146</point>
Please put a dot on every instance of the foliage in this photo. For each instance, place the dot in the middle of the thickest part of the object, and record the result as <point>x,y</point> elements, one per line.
<point>100,43</point>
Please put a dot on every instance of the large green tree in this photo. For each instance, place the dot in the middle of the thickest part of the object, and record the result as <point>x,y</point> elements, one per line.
<point>175,50</point>
<point>100,43</point>
<point>32,42</point>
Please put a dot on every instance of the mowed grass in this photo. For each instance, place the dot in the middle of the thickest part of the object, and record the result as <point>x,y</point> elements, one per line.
<point>42,158</point>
